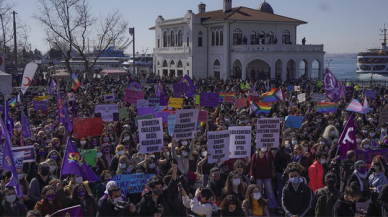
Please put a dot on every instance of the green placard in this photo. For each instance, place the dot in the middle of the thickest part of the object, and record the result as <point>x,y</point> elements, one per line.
<point>149,116</point>
<point>89,155</point>
<point>197,99</point>
<point>123,113</point>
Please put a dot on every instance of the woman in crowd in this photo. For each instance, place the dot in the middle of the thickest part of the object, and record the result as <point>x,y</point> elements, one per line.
<point>230,206</point>
<point>377,180</point>
<point>254,204</point>
<point>39,182</point>
<point>49,203</point>
<point>120,151</point>
<point>234,186</point>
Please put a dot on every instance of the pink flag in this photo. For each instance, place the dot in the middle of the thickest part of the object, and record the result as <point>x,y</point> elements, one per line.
<point>347,139</point>
<point>355,106</point>
<point>365,106</point>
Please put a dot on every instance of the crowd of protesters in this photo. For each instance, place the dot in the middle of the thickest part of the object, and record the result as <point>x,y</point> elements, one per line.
<point>305,176</point>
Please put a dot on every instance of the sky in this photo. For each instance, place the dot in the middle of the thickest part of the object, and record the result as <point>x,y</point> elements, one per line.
<point>342,26</point>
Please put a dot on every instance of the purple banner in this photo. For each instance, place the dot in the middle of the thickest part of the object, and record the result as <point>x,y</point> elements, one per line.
<point>145,111</point>
<point>153,101</point>
<point>209,99</point>
<point>40,105</point>
<point>163,115</point>
<point>371,94</point>
<point>179,88</point>
<point>368,156</point>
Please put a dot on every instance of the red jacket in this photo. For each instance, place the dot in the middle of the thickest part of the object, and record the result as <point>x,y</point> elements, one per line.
<point>261,168</point>
<point>316,174</point>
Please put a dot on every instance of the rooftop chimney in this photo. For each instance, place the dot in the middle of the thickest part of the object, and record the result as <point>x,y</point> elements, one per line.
<point>227,5</point>
<point>201,8</point>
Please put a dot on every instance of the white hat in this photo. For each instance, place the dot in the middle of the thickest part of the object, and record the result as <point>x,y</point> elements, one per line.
<point>110,184</point>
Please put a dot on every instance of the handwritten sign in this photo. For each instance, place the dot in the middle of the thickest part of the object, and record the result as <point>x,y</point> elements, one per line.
<point>109,112</point>
<point>318,97</point>
<point>228,99</point>
<point>218,146</point>
<point>241,103</point>
<point>137,182</point>
<point>84,127</point>
<point>209,99</point>
<point>302,97</point>
<point>267,132</point>
<point>89,156</point>
<point>132,96</point>
<point>29,152</point>
<point>185,123</point>
<point>240,142</point>
<point>150,135</point>
<point>176,102</point>
<point>142,103</point>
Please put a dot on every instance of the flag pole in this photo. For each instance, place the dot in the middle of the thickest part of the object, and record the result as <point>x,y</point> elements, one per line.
<point>63,159</point>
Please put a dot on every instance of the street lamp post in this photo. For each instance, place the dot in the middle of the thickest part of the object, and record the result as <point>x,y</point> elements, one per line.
<point>132,33</point>
<point>328,63</point>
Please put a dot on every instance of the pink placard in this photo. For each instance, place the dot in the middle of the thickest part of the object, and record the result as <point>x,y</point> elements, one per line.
<point>202,116</point>
<point>132,96</point>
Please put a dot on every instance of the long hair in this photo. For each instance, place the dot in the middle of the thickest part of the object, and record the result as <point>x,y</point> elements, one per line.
<point>231,200</point>
<point>229,186</point>
<point>122,159</point>
<point>74,196</point>
<point>249,198</point>
<point>328,129</point>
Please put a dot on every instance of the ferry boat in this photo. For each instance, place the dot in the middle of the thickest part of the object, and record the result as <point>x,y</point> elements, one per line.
<point>375,60</point>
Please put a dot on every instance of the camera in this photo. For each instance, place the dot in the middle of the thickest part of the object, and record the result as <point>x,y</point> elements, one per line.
<point>121,205</point>
<point>160,209</point>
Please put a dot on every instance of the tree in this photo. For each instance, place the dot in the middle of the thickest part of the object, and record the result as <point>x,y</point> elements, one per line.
<point>70,25</point>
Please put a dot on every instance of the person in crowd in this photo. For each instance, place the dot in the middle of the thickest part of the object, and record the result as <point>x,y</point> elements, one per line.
<point>283,157</point>
<point>11,205</point>
<point>347,168</point>
<point>382,200</point>
<point>182,155</point>
<point>359,178</point>
<point>240,166</point>
<point>216,184</point>
<point>254,204</point>
<point>325,198</point>
<point>49,203</point>
<point>376,182</point>
<point>39,182</point>
<point>230,206</point>
<point>33,213</point>
<point>345,203</point>
<point>115,206</point>
<point>317,172</point>
<point>234,186</point>
<point>201,202</point>
<point>120,151</point>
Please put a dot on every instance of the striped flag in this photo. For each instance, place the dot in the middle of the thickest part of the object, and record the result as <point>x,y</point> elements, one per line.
<point>12,102</point>
<point>257,108</point>
<point>366,106</point>
<point>355,106</point>
<point>74,82</point>
<point>270,97</point>
<point>222,96</point>
<point>327,107</point>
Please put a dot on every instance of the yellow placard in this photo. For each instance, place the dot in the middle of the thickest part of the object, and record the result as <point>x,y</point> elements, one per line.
<point>176,102</point>
<point>41,98</point>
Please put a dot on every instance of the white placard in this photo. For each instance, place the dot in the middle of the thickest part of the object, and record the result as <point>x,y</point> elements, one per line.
<point>107,111</point>
<point>240,142</point>
<point>185,123</point>
<point>142,103</point>
<point>318,97</point>
<point>302,97</point>
<point>150,135</point>
<point>218,146</point>
<point>267,132</point>
<point>297,88</point>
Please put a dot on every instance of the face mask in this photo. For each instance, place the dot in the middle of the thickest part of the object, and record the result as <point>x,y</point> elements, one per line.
<point>294,142</point>
<point>151,166</point>
<point>332,133</point>
<point>50,197</point>
<point>256,196</point>
<point>184,153</point>
<point>117,199</point>
<point>127,137</point>
<point>20,176</point>
<point>52,168</point>
<point>106,139</point>
<point>287,145</point>
<point>120,153</point>
<point>358,140</point>
<point>323,161</point>
<point>99,154</point>
<point>305,149</point>
<point>54,157</point>
<point>184,142</point>
<point>83,142</point>
<point>384,130</point>
<point>11,198</point>
<point>236,181</point>
<point>47,130</point>
<point>123,166</point>
<point>158,192</point>
<point>294,180</point>
<point>107,150</point>
<point>166,154</point>
<point>204,153</point>
<point>322,142</point>
<point>18,129</point>
<point>263,149</point>
<point>44,171</point>
<point>372,134</point>
<point>78,180</point>
<point>366,146</point>
<point>361,171</point>
<point>81,193</point>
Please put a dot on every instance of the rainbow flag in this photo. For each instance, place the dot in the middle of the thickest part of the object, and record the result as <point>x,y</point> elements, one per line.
<point>74,82</point>
<point>257,108</point>
<point>326,107</point>
<point>222,96</point>
<point>269,96</point>
<point>12,102</point>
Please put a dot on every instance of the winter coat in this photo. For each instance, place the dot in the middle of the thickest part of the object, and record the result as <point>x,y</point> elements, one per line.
<point>346,169</point>
<point>382,199</point>
<point>316,175</point>
<point>343,208</point>
<point>377,181</point>
<point>296,202</point>
<point>282,159</point>
<point>107,209</point>
<point>365,191</point>
<point>249,212</point>
<point>35,192</point>
<point>45,208</point>
<point>6,210</point>
<point>262,168</point>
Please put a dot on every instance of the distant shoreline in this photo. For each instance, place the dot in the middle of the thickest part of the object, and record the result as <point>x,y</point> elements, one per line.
<point>341,56</point>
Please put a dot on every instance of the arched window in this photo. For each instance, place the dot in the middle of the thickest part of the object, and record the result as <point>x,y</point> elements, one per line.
<point>286,37</point>
<point>237,37</point>
<point>172,64</point>
<point>165,63</point>
<point>253,37</point>
<point>199,39</point>
<point>213,38</point>
<point>180,38</point>
<point>221,38</point>
<point>217,38</point>
<point>172,44</point>
<point>262,37</point>
<point>180,64</point>
<point>165,39</point>
<point>217,64</point>
<point>270,38</point>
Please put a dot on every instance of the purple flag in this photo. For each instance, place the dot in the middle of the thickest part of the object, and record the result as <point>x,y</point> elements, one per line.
<point>40,105</point>
<point>70,211</point>
<point>26,131</point>
<point>74,163</point>
<point>180,88</point>
<point>63,116</point>
<point>52,85</point>
<point>190,90</point>
<point>334,89</point>
<point>347,140</point>
<point>9,164</point>
<point>9,121</point>
<point>158,92</point>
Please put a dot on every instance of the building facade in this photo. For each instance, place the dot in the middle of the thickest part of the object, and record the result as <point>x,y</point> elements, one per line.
<point>237,42</point>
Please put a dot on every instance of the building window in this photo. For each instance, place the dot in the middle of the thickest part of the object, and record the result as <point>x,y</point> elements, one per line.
<point>180,64</point>
<point>180,38</point>
<point>270,38</point>
<point>172,64</point>
<point>221,38</point>
<point>217,38</point>
<point>253,37</point>
<point>165,39</point>
<point>200,39</point>
<point>165,63</point>
<point>188,41</point>
<point>237,37</point>
<point>158,42</point>
<point>262,37</point>
<point>172,44</point>
<point>286,37</point>
<point>213,38</point>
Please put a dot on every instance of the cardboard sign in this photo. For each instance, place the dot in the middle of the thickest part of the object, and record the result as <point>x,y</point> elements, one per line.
<point>150,135</point>
<point>218,146</point>
<point>137,182</point>
<point>371,94</point>
<point>171,124</point>
<point>383,115</point>
<point>143,103</point>
<point>109,97</point>
<point>318,97</point>
<point>145,111</point>
<point>132,96</point>
<point>294,121</point>
<point>209,99</point>
<point>228,99</point>
<point>163,115</point>
<point>197,97</point>
<point>297,88</point>
<point>302,97</point>
<point>254,98</point>
<point>240,142</point>
<point>84,127</point>
<point>29,152</point>
<point>203,116</point>
<point>185,123</point>
<point>123,113</point>
<point>267,132</point>
<point>241,103</point>
<point>109,112</point>
<point>89,155</point>
<point>176,102</point>
<point>149,116</point>
<point>153,101</point>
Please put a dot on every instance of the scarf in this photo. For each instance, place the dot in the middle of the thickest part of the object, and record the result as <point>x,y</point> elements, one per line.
<point>360,176</point>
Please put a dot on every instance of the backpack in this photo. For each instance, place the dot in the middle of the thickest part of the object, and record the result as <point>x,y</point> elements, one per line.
<point>325,203</point>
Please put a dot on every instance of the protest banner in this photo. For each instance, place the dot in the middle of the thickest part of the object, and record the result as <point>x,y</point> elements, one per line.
<point>368,155</point>
<point>123,113</point>
<point>318,97</point>
<point>252,98</point>
<point>240,142</point>
<point>89,155</point>
<point>228,99</point>
<point>370,93</point>
<point>163,115</point>
<point>267,132</point>
<point>179,89</point>
<point>290,88</point>
<point>171,124</point>
<point>84,127</point>
<point>294,121</point>
<point>302,97</point>
<point>203,116</point>
<point>153,101</point>
<point>40,105</point>
<point>197,97</point>
<point>241,103</point>
<point>218,146</point>
<point>41,98</point>
<point>132,96</point>
<point>149,116</point>
<point>383,115</point>
<point>185,123</point>
<point>145,111</point>
<point>209,99</point>
<point>108,112</point>
<point>141,103</point>
<point>176,102</point>
<point>136,181</point>
<point>109,97</point>
<point>297,88</point>
<point>18,157</point>
<point>150,135</point>
<point>29,152</point>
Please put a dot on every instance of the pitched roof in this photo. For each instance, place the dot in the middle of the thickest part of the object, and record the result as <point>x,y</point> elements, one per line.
<point>246,14</point>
